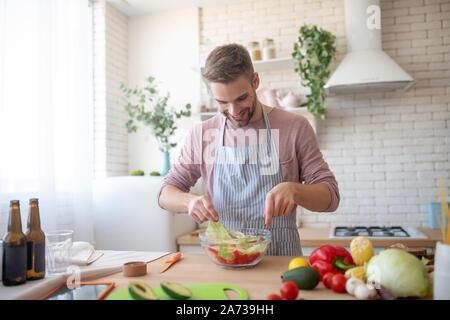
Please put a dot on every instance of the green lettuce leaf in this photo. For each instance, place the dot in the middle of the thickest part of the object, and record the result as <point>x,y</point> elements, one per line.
<point>230,240</point>
<point>225,252</point>
<point>216,230</point>
<point>235,234</point>
<point>253,249</point>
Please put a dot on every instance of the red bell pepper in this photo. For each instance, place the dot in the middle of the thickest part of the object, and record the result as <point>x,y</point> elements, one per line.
<point>330,259</point>
<point>323,268</point>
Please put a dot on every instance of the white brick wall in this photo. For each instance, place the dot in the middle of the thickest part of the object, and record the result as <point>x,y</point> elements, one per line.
<point>110,69</point>
<point>387,150</point>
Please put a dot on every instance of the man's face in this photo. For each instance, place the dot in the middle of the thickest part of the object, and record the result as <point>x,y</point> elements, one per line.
<point>237,100</point>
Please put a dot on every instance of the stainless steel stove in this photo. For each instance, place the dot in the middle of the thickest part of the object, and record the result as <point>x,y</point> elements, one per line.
<point>370,232</point>
<point>375,232</point>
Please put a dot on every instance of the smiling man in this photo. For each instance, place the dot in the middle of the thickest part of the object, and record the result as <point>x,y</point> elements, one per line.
<point>258,163</point>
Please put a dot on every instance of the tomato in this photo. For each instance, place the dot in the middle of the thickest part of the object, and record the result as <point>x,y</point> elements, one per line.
<point>253,257</point>
<point>289,290</point>
<point>273,296</point>
<point>239,258</point>
<point>322,267</point>
<point>327,279</point>
<point>236,258</point>
<point>338,282</point>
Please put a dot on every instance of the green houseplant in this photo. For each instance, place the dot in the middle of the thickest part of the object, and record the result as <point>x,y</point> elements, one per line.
<point>148,106</point>
<point>314,50</point>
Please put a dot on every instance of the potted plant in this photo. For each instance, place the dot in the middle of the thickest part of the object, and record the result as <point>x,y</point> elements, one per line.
<point>148,106</point>
<point>314,51</point>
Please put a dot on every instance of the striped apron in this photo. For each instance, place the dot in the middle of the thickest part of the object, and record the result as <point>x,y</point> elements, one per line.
<point>242,178</point>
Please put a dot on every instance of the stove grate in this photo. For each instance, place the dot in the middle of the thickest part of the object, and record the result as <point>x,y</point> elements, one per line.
<point>373,231</point>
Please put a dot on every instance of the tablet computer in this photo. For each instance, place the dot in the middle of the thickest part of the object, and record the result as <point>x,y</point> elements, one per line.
<point>80,291</point>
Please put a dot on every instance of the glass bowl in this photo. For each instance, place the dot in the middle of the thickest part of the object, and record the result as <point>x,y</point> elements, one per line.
<point>234,253</point>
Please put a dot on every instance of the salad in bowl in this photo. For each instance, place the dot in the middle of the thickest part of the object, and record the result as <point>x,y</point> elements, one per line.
<point>234,248</point>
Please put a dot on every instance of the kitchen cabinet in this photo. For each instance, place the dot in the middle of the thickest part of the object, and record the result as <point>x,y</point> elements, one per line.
<point>127,216</point>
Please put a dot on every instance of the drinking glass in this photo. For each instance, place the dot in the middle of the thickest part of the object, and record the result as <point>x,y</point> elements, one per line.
<point>58,251</point>
<point>441,281</point>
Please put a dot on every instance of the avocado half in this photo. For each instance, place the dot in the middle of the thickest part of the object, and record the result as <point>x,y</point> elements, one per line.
<point>176,290</point>
<point>141,291</point>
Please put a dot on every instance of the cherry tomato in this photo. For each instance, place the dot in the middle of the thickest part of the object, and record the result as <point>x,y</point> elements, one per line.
<point>274,296</point>
<point>327,279</point>
<point>338,283</point>
<point>289,290</point>
<point>239,258</point>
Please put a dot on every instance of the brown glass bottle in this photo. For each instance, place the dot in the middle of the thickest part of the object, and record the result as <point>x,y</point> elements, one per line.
<point>14,249</point>
<point>35,243</point>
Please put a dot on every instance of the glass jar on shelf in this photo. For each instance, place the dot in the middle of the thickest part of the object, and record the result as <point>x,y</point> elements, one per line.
<point>268,51</point>
<point>255,50</point>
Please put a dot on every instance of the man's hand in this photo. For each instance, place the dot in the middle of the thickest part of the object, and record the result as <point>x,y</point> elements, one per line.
<point>280,201</point>
<point>201,209</point>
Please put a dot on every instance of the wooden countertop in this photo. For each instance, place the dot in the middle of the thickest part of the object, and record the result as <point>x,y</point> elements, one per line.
<point>315,237</point>
<point>193,268</point>
<point>312,237</point>
<point>258,281</point>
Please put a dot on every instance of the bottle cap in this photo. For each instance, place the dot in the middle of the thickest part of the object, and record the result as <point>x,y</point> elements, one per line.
<point>34,200</point>
<point>14,202</point>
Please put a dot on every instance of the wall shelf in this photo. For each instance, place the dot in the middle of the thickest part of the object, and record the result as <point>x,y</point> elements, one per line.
<point>274,64</point>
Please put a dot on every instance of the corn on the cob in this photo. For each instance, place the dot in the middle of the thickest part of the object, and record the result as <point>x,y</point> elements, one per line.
<point>362,250</point>
<point>356,272</point>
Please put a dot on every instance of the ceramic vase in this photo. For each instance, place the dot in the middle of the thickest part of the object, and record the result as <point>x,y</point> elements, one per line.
<point>165,167</point>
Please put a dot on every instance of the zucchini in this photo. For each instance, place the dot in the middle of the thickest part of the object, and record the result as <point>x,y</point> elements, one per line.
<point>176,290</point>
<point>141,291</point>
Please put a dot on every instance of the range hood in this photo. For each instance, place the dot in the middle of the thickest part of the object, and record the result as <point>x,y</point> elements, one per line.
<point>366,67</point>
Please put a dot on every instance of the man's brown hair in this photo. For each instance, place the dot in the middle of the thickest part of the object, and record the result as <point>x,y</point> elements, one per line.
<point>227,63</point>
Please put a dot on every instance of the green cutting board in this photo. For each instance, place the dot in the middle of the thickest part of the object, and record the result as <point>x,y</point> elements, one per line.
<point>210,291</point>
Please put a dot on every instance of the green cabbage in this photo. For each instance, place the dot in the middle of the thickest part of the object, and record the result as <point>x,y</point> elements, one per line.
<point>401,273</point>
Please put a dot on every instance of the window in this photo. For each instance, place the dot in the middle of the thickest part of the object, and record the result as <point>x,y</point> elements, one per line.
<point>46,110</point>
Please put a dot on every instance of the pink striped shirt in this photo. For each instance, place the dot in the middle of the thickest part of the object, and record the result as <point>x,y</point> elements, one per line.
<point>298,150</point>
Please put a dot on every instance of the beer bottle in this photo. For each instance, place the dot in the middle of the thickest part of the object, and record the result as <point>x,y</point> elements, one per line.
<point>14,249</point>
<point>35,243</point>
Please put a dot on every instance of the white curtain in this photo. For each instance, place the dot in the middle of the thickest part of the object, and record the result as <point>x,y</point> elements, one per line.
<point>46,116</point>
